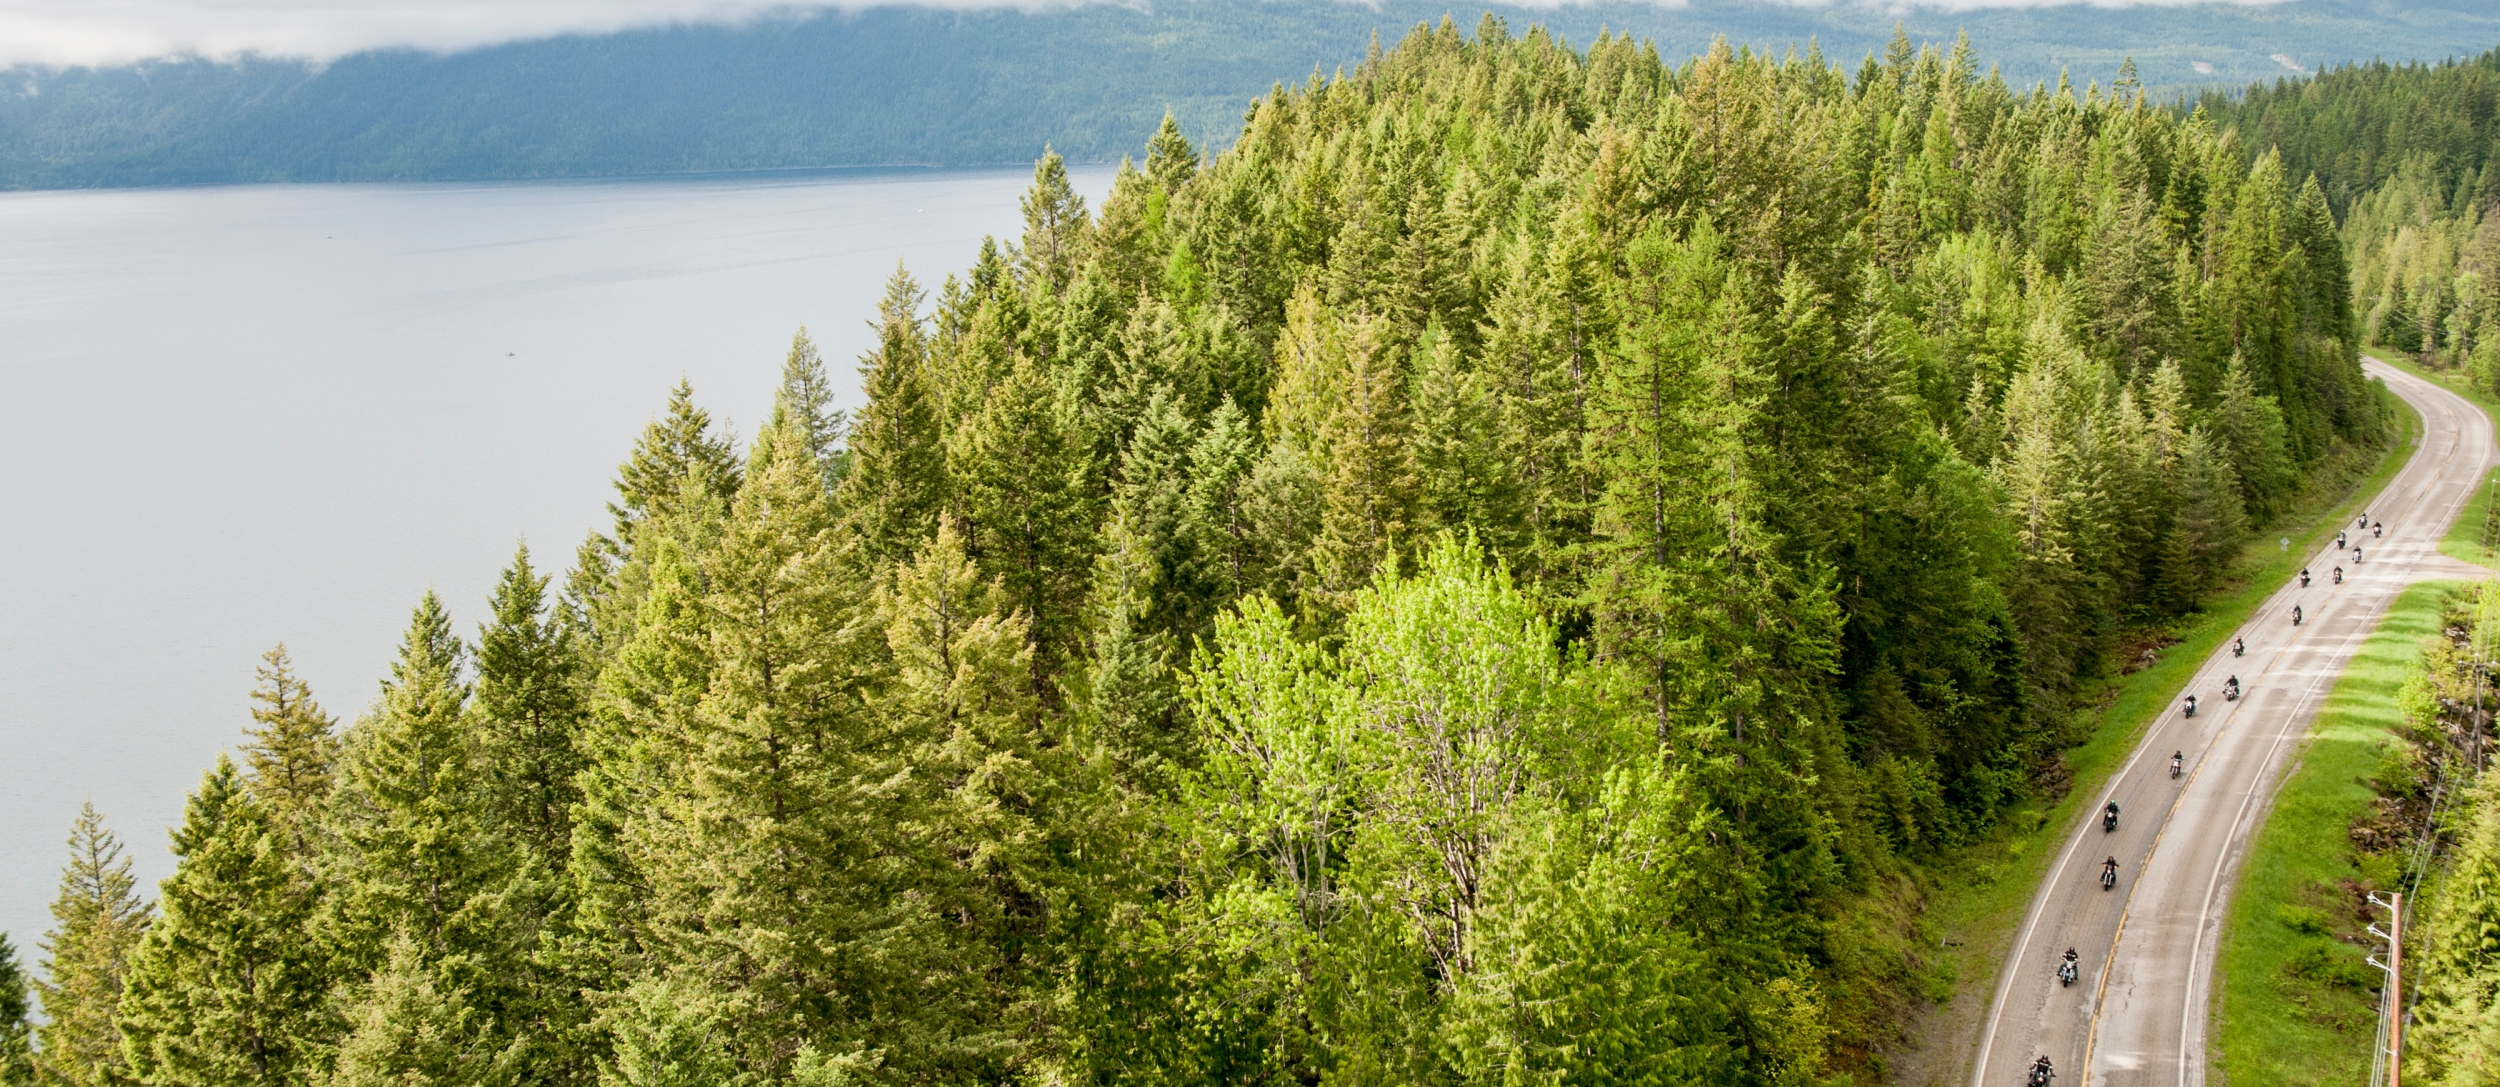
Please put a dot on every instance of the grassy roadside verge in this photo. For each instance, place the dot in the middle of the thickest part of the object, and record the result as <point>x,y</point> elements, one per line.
<point>1974,899</point>
<point>2464,539</point>
<point>2295,1003</point>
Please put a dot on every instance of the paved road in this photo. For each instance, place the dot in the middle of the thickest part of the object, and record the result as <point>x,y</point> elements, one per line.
<point>2138,1016</point>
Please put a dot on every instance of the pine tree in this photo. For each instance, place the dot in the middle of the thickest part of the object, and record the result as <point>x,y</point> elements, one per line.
<point>97,921</point>
<point>17,1052</point>
<point>293,752</point>
<point>225,988</point>
<point>1466,469</point>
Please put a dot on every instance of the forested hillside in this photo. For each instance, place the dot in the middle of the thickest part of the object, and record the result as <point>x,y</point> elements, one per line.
<point>903,84</point>
<point>2409,157</point>
<point>1479,582</point>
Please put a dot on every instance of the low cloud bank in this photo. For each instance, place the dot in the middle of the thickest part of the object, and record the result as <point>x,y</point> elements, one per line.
<point>62,33</point>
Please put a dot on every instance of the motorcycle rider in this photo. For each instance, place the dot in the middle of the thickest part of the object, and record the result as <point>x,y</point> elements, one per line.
<point>2295,615</point>
<point>2109,873</point>
<point>2068,968</point>
<point>2378,530</point>
<point>2191,705</point>
<point>2109,816</point>
<point>2042,1072</point>
<point>2356,556</point>
<point>2339,540</point>
<point>2231,689</point>
<point>2238,646</point>
<point>2178,760</point>
<point>2339,575</point>
<point>2304,577</point>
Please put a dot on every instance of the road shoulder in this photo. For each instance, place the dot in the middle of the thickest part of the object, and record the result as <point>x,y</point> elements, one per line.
<point>2293,1002</point>
<point>1970,903</point>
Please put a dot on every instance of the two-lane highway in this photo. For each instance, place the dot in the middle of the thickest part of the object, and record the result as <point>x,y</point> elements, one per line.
<point>2137,1015</point>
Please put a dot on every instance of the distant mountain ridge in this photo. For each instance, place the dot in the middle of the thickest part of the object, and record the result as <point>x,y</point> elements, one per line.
<point>903,85</point>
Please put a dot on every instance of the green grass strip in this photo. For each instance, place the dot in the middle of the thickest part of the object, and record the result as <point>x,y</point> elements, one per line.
<point>2296,1003</point>
<point>1977,895</point>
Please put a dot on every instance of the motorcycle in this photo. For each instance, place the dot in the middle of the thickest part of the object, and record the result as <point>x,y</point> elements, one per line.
<point>2304,577</point>
<point>2109,819</point>
<point>2295,615</point>
<point>2066,972</point>
<point>2377,531</point>
<point>2178,763</point>
<point>2191,705</point>
<point>2339,575</point>
<point>2109,877</point>
<point>2231,690</point>
<point>2041,1074</point>
<point>2239,646</point>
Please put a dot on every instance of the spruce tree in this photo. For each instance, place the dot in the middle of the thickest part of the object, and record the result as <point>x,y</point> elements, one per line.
<point>97,922</point>
<point>897,483</point>
<point>407,1026</point>
<point>1029,490</point>
<point>528,713</point>
<point>225,988</point>
<point>17,1051</point>
<point>639,734</point>
<point>678,464</point>
<point>415,852</point>
<point>292,754</point>
<point>1055,225</point>
<point>763,834</point>
<point>805,401</point>
<point>962,697</point>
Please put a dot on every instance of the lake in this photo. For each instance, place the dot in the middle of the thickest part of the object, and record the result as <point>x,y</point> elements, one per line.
<point>235,417</point>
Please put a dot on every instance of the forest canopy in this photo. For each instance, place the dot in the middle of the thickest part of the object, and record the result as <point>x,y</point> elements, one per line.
<point>1465,586</point>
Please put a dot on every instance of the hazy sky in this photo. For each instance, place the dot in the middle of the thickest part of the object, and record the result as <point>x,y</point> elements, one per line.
<point>73,32</point>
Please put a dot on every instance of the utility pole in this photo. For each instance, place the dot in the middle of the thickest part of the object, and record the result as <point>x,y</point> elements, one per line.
<point>2387,1064</point>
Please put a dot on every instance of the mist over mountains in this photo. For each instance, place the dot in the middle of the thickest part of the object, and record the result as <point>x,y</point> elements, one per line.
<point>923,86</point>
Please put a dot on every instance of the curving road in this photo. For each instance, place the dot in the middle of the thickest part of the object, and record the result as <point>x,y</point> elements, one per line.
<point>2137,1016</point>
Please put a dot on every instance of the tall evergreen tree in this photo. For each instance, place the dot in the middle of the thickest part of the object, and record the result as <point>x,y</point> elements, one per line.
<point>415,852</point>
<point>225,988</point>
<point>97,922</point>
<point>528,713</point>
<point>897,484</point>
<point>805,401</point>
<point>292,754</point>
<point>17,1033</point>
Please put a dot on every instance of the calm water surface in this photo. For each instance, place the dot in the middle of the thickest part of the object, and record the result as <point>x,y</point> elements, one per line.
<point>235,417</point>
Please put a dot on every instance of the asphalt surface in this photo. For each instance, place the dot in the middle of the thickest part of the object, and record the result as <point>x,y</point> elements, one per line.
<point>2137,1016</point>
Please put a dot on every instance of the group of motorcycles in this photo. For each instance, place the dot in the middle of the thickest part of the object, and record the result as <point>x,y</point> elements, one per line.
<point>2070,968</point>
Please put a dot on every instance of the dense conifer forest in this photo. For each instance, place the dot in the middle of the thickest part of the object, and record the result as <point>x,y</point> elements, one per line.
<point>1484,581</point>
<point>2410,159</point>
